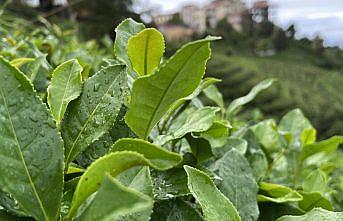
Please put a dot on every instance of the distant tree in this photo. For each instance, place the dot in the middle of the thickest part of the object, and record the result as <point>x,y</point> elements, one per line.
<point>46,5</point>
<point>279,39</point>
<point>247,23</point>
<point>100,17</point>
<point>290,32</point>
<point>317,46</point>
<point>225,29</point>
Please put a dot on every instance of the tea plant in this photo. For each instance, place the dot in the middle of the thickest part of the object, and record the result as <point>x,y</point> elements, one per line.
<point>135,141</point>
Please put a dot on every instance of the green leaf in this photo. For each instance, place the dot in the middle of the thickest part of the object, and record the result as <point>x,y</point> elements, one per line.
<point>215,206</point>
<point>141,182</point>
<point>256,156</point>
<point>157,155</point>
<point>94,112</point>
<point>316,181</point>
<point>153,95</point>
<point>231,143</point>
<point>117,162</point>
<point>267,134</point>
<point>170,183</point>
<point>200,148</point>
<point>65,86</point>
<point>236,104</point>
<point>277,193</point>
<point>214,95</point>
<point>294,122</point>
<point>196,121</point>
<point>203,85</point>
<point>313,200</point>
<point>124,31</point>
<point>308,136</point>
<point>18,62</point>
<point>317,214</point>
<point>145,50</point>
<point>328,146</point>
<point>32,149</point>
<point>239,184</point>
<point>114,200</point>
<point>175,210</point>
<point>217,134</point>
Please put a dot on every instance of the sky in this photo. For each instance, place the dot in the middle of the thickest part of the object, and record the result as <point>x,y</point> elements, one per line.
<point>311,17</point>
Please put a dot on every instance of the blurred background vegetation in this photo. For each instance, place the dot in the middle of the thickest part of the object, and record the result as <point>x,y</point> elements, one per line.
<point>310,76</point>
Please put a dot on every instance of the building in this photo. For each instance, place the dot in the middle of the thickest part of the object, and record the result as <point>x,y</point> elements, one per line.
<point>194,17</point>
<point>199,19</point>
<point>176,32</point>
<point>260,11</point>
<point>231,10</point>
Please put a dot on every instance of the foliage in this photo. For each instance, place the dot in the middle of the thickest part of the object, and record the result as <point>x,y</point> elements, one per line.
<point>150,141</point>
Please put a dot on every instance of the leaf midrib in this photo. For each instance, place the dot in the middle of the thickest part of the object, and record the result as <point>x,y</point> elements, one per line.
<point>146,133</point>
<point>18,150</point>
<point>146,52</point>
<point>87,121</point>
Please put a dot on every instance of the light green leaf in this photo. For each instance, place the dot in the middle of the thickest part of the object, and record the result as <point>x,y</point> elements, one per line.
<point>117,162</point>
<point>157,155</point>
<point>313,200</point>
<point>196,121</point>
<point>124,31</point>
<point>31,150</point>
<point>95,111</point>
<point>153,95</point>
<point>277,193</point>
<point>145,50</point>
<point>65,86</point>
<point>215,206</point>
<point>236,104</point>
<point>114,200</point>
<point>294,122</point>
<point>316,181</point>
<point>18,62</point>
<point>328,146</point>
<point>308,136</point>
<point>317,214</point>
<point>239,184</point>
<point>217,134</point>
<point>214,95</point>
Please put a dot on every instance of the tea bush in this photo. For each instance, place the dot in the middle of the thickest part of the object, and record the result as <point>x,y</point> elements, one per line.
<point>135,140</point>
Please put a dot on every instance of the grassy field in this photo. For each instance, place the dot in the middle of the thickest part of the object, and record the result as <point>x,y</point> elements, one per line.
<point>300,84</point>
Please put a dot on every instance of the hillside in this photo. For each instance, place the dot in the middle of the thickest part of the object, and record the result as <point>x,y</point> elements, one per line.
<point>301,84</point>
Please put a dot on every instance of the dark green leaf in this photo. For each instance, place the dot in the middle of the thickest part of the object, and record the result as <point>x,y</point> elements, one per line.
<point>238,184</point>
<point>32,149</point>
<point>114,200</point>
<point>94,113</point>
